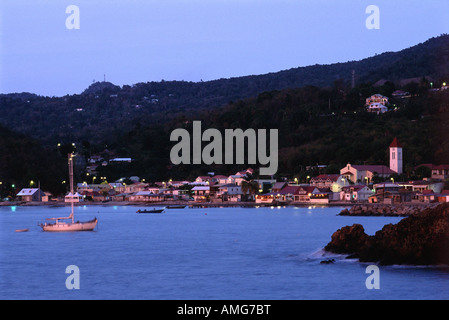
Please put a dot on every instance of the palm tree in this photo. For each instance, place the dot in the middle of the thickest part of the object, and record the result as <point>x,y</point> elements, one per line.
<point>249,188</point>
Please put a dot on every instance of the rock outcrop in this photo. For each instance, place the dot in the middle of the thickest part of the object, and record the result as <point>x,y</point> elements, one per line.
<point>386,209</point>
<point>419,239</point>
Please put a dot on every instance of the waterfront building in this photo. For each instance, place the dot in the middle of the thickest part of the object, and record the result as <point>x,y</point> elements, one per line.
<point>31,194</point>
<point>355,193</point>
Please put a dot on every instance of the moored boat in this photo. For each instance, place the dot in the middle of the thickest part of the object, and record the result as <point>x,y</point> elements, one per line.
<point>59,225</point>
<point>175,207</point>
<point>150,211</point>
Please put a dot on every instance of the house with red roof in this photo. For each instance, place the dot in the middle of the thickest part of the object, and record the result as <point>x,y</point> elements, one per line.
<point>325,180</point>
<point>306,193</point>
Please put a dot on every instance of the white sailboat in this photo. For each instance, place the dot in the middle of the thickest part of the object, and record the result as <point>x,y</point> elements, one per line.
<point>59,225</point>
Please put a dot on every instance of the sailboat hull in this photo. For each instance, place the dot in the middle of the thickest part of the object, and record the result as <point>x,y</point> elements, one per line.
<point>67,227</point>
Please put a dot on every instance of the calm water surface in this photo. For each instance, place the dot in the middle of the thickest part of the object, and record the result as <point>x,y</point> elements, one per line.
<point>208,253</point>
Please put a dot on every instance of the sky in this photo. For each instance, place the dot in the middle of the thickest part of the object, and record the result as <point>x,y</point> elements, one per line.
<point>149,40</point>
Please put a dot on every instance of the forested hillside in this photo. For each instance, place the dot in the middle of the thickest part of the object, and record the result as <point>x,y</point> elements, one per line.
<point>321,119</point>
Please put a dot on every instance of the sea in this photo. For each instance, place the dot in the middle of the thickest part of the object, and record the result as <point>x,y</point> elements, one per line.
<point>228,253</point>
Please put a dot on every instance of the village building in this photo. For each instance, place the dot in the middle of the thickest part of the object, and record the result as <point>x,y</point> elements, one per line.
<point>286,194</point>
<point>376,108</point>
<point>202,180</point>
<point>355,193</point>
<point>365,173</point>
<point>391,193</point>
<point>306,193</point>
<point>377,103</point>
<point>73,197</point>
<point>31,194</point>
<point>278,186</point>
<point>377,98</point>
<point>396,156</point>
<point>440,172</point>
<point>230,192</point>
<point>201,193</point>
<point>332,181</point>
<point>147,196</point>
<point>220,179</point>
<point>236,179</point>
<point>87,195</point>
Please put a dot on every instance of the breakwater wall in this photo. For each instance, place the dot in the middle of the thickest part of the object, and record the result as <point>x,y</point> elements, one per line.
<point>375,209</point>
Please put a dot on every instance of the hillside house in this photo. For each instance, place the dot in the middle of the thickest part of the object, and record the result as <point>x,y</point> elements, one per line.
<point>377,108</point>
<point>203,180</point>
<point>377,103</point>
<point>440,172</point>
<point>377,98</point>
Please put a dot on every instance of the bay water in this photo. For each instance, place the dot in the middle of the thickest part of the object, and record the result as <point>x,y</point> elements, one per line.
<point>265,253</point>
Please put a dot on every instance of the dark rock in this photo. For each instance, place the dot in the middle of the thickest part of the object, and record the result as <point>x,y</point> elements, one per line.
<point>420,239</point>
<point>328,261</point>
<point>348,239</point>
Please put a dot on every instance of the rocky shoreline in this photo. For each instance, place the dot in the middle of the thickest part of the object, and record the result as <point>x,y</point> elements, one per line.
<point>386,210</point>
<point>419,239</point>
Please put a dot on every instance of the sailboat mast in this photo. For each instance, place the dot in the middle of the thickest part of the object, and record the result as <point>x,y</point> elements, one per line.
<point>70,157</point>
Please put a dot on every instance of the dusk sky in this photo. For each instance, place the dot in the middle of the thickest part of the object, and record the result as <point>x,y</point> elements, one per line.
<point>193,40</point>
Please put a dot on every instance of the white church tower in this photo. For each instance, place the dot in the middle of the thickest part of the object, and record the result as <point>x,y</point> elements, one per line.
<point>396,156</point>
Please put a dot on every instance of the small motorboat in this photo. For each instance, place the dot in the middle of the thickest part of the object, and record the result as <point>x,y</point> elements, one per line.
<point>150,211</point>
<point>22,230</point>
<point>175,207</point>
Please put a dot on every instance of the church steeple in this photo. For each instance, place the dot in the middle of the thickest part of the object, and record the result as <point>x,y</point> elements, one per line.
<point>396,156</point>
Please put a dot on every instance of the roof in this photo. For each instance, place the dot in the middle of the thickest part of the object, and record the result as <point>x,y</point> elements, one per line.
<point>374,168</point>
<point>377,95</point>
<point>441,167</point>
<point>395,143</point>
<point>307,189</point>
<point>279,185</point>
<point>331,177</point>
<point>203,177</point>
<point>226,185</point>
<point>147,193</point>
<point>201,188</point>
<point>387,185</point>
<point>354,187</point>
<point>289,190</point>
<point>27,191</point>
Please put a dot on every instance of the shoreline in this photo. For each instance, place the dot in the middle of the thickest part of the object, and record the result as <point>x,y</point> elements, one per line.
<point>349,209</point>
